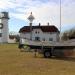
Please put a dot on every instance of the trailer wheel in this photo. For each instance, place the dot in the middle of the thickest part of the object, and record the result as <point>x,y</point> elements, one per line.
<point>47,54</point>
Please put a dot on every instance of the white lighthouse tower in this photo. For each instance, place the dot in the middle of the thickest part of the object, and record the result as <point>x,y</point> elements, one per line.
<point>4,30</point>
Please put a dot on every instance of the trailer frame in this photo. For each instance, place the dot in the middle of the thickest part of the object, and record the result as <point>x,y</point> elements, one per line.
<point>49,49</point>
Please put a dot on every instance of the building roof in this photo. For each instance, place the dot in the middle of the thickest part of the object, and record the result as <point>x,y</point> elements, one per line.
<point>44,28</point>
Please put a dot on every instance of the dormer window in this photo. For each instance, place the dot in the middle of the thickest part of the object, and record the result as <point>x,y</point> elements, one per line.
<point>37,32</point>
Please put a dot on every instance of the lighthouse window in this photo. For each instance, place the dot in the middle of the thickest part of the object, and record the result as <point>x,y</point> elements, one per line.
<point>0,34</point>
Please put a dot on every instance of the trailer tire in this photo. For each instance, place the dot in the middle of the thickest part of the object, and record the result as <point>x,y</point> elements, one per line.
<point>47,54</point>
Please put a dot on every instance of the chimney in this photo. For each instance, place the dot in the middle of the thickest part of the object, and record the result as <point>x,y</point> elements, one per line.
<point>48,23</point>
<point>39,24</point>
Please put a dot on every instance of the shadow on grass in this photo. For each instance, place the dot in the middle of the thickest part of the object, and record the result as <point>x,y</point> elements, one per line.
<point>36,55</point>
<point>72,59</point>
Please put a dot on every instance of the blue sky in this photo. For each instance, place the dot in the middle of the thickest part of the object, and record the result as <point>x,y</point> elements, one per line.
<point>44,11</point>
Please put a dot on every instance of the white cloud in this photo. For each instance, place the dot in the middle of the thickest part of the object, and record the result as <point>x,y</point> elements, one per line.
<point>43,12</point>
<point>68,14</point>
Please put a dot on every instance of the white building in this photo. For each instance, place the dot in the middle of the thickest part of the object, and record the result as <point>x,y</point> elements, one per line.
<point>4,30</point>
<point>40,33</point>
<point>12,39</point>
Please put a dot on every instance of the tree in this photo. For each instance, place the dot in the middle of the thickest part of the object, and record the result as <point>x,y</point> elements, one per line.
<point>13,35</point>
<point>17,38</point>
<point>65,36</point>
<point>69,35</point>
<point>72,34</point>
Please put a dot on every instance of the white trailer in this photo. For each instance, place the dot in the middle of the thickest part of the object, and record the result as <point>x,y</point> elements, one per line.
<point>49,49</point>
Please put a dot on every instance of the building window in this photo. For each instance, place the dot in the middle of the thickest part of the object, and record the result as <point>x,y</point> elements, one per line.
<point>37,38</point>
<point>50,39</point>
<point>0,34</point>
<point>36,32</point>
<point>43,39</point>
<point>51,33</point>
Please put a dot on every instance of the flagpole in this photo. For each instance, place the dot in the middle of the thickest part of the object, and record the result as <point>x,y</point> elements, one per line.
<point>60,20</point>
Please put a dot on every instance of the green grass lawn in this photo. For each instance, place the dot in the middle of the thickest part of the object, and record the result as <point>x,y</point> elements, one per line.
<point>14,62</point>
